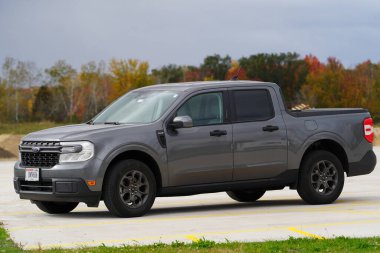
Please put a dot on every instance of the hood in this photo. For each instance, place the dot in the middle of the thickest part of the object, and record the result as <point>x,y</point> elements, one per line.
<point>75,132</point>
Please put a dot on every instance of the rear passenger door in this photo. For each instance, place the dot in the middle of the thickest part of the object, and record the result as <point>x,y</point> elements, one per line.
<point>259,134</point>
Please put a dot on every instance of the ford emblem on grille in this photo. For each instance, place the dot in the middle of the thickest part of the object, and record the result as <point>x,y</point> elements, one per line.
<point>36,149</point>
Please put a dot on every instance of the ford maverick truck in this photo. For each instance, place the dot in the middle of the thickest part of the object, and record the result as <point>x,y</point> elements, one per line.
<point>191,138</point>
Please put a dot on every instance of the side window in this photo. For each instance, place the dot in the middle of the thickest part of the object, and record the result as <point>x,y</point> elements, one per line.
<point>204,109</point>
<point>252,105</point>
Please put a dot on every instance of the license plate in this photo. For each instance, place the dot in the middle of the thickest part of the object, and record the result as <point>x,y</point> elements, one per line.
<point>32,174</point>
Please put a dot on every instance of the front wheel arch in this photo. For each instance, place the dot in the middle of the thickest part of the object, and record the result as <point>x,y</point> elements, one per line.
<point>139,156</point>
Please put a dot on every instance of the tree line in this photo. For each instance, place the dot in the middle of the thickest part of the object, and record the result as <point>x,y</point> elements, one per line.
<point>62,93</point>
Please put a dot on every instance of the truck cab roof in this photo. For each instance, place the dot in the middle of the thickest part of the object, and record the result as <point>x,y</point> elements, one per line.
<point>185,86</point>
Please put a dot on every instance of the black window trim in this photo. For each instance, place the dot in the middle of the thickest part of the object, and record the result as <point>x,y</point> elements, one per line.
<point>226,106</point>
<point>233,104</point>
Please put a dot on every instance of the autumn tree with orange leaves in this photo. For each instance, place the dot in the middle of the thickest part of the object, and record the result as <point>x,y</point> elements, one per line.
<point>64,94</point>
<point>128,75</point>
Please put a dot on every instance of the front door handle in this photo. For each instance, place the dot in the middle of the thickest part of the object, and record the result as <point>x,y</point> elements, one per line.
<point>218,133</point>
<point>270,128</point>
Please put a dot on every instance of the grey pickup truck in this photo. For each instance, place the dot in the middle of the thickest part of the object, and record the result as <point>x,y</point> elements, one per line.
<point>192,138</point>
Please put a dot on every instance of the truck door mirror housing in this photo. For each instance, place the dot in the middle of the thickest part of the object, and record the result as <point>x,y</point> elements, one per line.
<point>181,122</point>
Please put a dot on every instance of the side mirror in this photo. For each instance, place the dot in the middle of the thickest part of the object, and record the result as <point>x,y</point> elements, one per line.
<point>181,122</point>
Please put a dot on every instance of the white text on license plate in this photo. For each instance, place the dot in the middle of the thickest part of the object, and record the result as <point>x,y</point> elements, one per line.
<point>32,174</point>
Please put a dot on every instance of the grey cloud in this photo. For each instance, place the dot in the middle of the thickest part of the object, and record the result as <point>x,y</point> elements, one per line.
<point>184,32</point>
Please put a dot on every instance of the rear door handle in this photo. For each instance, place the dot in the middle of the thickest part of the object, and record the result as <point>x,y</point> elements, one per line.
<point>270,128</point>
<point>218,133</point>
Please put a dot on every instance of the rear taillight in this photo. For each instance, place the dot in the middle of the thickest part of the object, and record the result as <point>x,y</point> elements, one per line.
<point>368,129</point>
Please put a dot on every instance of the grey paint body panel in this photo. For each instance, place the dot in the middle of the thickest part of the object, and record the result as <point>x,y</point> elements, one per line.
<point>193,157</point>
<point>259,154</point>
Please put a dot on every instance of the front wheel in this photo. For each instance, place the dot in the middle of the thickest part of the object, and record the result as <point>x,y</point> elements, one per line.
<point>246,195</point>
<point>321,178</point>
<point>56,207</point>
<point>130,189</point>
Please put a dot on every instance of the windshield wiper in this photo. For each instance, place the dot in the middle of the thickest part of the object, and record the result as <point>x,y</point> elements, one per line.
<point>90,122</point>
<point>112,123</point>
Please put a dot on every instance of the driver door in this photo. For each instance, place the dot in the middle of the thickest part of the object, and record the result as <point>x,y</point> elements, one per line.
<point>202,153</point>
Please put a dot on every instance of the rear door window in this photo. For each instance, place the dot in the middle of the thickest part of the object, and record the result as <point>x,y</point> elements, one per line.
<point>252,105</point>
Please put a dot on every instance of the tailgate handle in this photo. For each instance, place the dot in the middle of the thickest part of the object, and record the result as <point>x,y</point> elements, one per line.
<point>270,128</point>
<point>218,133</point>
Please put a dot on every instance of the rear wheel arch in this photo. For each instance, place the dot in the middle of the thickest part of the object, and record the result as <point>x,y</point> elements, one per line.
<point>331,146</point>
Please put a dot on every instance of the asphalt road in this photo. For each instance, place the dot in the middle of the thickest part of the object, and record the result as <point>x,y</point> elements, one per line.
<point>278,215</point>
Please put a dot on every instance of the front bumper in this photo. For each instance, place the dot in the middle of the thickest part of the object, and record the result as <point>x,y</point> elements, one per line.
<point>365,166</point>
<point>57,190</point>
<point>63,182</point>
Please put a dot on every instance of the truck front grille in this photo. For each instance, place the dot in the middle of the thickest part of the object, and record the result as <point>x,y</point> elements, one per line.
<point>39,159</point>
<point>47,155</point>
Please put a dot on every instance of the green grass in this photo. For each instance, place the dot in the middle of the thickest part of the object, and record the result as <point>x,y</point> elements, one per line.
<point>6,244</point>
<point>291,245</point>
<point>26,127</point>
<point>340,244</point>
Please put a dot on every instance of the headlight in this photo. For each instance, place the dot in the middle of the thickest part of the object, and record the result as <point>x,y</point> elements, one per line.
<point>76,151</point>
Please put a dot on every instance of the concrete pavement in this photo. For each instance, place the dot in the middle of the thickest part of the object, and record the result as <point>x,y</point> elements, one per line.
<point>278,215</point>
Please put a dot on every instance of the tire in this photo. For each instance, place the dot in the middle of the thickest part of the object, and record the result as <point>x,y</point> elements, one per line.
<point>321,178</point>
<point>246,195</point>
<point>130,189</point>
<point>56,207</point>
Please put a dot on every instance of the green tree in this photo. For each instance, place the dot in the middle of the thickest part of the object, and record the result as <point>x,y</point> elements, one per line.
<point>169,74</point>
<point>215,67</point>
<point>285,69</point>
<point>42,104</point>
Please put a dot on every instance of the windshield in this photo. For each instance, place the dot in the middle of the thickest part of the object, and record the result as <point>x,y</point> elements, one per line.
<point>144,106</point>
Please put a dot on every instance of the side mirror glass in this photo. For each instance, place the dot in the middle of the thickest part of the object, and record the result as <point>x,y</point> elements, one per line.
<point>182,122</point>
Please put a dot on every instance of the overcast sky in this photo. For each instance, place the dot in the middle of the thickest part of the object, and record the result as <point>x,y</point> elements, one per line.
<point>184,32</point>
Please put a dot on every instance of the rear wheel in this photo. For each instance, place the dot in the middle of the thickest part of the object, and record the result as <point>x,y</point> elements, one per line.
<point>246,195</point>
<point>56,207</point>
<point>321,178</point>
<point>130,189</point>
